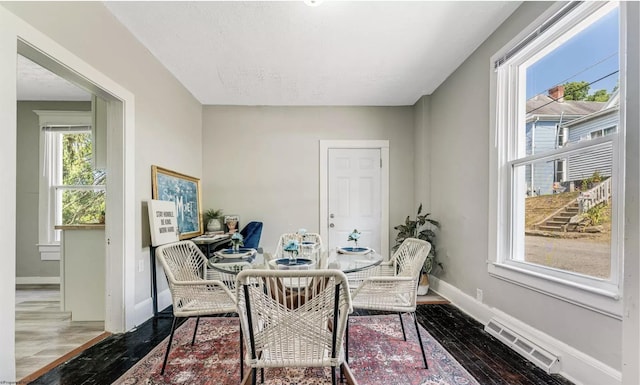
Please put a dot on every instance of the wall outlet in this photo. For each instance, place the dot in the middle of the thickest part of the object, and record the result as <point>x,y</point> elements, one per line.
<point>479,294</point>
<point>140,266</point>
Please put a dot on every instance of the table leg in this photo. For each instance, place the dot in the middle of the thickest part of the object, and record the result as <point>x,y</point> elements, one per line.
<point>154,284</point>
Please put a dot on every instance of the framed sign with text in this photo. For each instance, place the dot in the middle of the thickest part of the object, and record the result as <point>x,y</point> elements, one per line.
<point>162,222</point>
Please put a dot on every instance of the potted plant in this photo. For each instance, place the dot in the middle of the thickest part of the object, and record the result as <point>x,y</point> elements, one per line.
<point>354,236</point>
<point>422,227</point>
<point>213,219</point>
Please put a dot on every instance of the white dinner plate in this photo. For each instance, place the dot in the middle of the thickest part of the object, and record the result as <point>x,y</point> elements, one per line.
<point>242,253</point>
<point>355,250</point>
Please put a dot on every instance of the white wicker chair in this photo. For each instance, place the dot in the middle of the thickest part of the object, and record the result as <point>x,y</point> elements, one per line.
<point>314,250</point>
<point>193,296</point>
<point>268,260</point>
<point>396,292</point>
<point>227,272</point>
<point>293,318</point>
<point>313,237</point>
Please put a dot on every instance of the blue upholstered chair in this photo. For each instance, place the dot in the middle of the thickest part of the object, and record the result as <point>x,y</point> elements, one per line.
<point>251,233</point>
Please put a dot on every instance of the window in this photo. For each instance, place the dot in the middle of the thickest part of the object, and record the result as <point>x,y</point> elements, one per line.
<point>71,191</point>
<point>557,222</point>
<point>602,132</point>
<point>76,190</point>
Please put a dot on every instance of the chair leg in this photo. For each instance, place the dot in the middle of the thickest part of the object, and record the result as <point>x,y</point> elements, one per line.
<point>254,374</point>
<point>166,354</point>
<point>402,324</point>
<point>241,356</point>
<point>424,358</point>
<point>195,330</point>
<point>346,342</point>
<point>333,375</point>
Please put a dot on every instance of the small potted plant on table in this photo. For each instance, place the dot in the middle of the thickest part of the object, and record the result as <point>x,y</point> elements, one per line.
<point>237,241</point>
<point>292,248</point>
<point>353,237</point>
<point>212,218</point>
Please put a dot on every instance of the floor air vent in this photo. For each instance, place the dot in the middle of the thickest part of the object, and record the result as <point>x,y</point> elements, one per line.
<point>542,358</point>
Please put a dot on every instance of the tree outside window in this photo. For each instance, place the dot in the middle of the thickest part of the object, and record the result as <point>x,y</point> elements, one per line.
<point>81,193</point>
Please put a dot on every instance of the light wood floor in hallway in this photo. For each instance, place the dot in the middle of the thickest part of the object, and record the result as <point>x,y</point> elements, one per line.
<point>44,333</point>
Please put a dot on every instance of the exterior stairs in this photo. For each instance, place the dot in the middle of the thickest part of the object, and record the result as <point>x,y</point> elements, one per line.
<point>559,221</point>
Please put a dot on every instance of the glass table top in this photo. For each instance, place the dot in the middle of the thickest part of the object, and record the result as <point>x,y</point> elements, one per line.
<point>347,263</point>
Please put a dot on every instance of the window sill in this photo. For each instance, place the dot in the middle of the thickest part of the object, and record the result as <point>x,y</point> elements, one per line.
<point>49,252</point>
<point>602,301</point>
<point>86,226</point>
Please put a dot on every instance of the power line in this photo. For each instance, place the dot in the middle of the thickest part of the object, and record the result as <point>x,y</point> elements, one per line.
<point>584,70</point>
<point>578,89</point>
<point>591,66</point>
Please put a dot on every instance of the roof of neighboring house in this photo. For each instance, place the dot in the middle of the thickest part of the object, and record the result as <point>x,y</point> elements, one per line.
<point>614,100</point>
<point>597,114</point>
<point>545,105</point>
<point>609,107</point>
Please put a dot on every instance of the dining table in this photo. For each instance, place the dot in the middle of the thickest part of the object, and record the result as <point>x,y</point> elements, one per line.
<point>343,259</point>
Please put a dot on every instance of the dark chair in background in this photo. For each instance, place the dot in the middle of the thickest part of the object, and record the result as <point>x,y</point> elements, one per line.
<point>251,234</point>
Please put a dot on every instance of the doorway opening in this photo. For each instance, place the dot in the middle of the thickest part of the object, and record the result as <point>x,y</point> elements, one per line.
<point>117,295</point>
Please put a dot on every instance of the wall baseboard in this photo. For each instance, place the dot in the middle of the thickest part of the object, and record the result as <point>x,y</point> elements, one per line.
<point>144,310</point>
<point>37,280</point>
<point>575,366</point>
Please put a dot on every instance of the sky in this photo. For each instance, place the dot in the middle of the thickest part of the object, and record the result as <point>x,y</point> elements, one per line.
<point>588,56</point>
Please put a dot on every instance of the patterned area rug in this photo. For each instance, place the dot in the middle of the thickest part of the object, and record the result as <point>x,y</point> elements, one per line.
<point>377,355</point>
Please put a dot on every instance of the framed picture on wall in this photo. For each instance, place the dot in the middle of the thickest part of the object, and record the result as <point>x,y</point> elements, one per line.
<point>184,192</point>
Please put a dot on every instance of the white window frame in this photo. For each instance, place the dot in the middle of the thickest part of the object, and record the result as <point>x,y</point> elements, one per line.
<point>48,239</point>
<point>505,228</point>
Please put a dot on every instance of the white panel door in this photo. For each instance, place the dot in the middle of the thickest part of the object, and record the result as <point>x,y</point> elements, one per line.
<point>354,199</point>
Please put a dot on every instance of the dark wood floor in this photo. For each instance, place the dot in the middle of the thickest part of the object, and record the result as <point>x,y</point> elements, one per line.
<point>487,359</point>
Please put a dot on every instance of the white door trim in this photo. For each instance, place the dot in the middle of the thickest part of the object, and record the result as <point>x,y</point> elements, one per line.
<point>120,224</point>
<point>383,145</point>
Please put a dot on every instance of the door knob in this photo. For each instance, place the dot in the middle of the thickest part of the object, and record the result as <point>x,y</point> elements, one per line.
<point>332,225</point>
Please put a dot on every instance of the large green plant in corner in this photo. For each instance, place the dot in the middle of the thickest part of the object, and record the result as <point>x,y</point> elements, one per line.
<point>422,227</point>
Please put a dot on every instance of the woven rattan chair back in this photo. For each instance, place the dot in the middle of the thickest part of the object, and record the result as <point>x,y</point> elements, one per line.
<point>408,258</point>
<point>227,272</point>
<point>313,237</point>
<point>293,318</point>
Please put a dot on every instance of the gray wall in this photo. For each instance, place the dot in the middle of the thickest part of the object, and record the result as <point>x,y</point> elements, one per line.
<point>459,148</point>
<point>168,119</point>
<point>28,262</point>
<point>422,157</point>
<point>262,162</point>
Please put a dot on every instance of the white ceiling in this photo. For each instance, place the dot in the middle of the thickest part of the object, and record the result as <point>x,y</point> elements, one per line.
<point>376,53</point>
<point>38,83</point>
<point>380,53</point>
